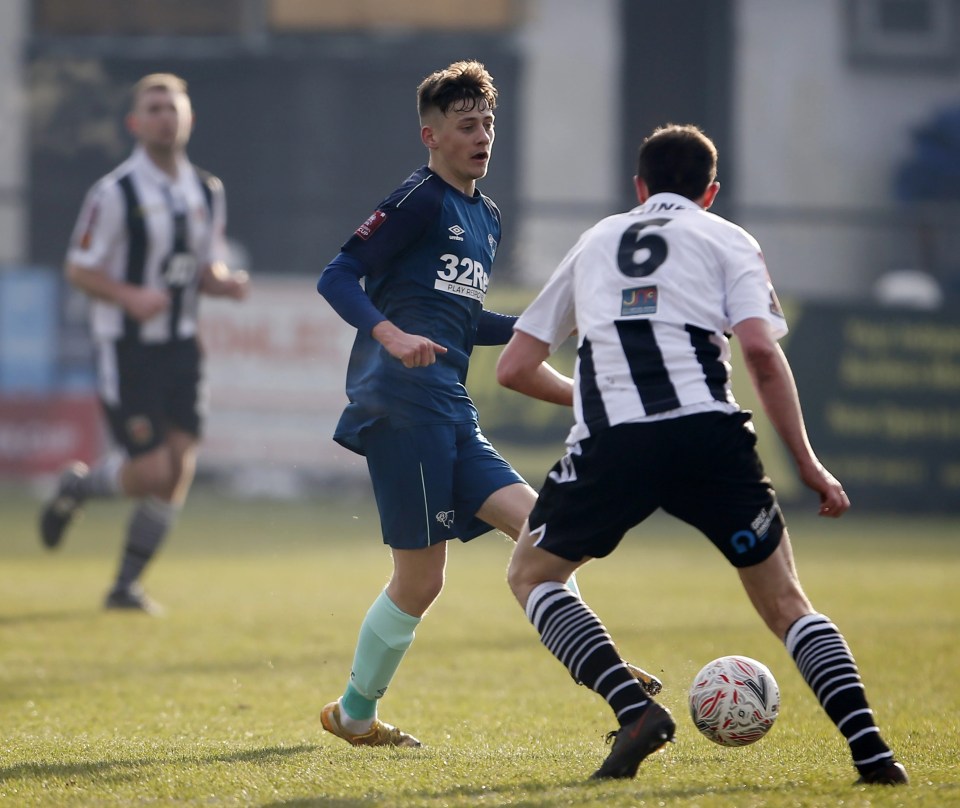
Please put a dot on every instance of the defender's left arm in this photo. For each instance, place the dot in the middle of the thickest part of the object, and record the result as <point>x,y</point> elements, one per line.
<point>775,385</point>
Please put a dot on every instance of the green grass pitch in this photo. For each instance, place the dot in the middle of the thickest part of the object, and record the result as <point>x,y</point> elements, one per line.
<point>217,704</point>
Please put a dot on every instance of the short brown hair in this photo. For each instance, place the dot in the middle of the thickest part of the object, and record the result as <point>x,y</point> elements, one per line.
<point>155,81</point>
<point>679,159</point>
<point>463,86</point>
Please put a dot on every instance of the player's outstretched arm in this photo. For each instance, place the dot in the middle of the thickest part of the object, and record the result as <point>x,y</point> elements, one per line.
<point>773,380</point>
<point>522,366</point>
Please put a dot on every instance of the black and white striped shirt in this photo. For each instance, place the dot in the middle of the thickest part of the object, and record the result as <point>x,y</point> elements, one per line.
<point>143,227</point>
<point>652,294</point>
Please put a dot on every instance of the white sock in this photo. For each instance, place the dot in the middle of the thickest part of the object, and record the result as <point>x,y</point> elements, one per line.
<point>352,725</point>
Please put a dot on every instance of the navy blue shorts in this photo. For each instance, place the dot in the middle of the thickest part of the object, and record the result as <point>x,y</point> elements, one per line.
<point>430,481</point>
<point>148,389</point>
<point>703,469</point>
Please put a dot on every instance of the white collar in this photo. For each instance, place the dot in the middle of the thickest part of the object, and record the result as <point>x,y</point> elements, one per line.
<point>158,176</point>
<point>668,201</point>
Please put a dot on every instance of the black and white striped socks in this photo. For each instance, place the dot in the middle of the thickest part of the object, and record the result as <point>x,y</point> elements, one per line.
<point>574,635</point>
<point>828,666</point>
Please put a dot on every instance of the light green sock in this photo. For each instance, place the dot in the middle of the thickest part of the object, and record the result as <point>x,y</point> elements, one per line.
<point>385,635</point>
<point>572,585</point>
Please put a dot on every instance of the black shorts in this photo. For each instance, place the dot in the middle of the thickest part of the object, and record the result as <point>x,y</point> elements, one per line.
<point>703,469</point>
<point>148,389</point>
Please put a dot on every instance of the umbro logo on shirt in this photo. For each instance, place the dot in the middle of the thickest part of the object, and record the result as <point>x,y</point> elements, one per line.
<point>456,232</point>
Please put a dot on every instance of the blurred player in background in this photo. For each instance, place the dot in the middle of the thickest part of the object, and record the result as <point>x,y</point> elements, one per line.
<point>652,294</point>
<point>426,256</point>
<point>149,240</point>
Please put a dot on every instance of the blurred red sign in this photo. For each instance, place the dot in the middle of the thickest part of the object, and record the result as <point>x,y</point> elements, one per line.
<point>38,435</point>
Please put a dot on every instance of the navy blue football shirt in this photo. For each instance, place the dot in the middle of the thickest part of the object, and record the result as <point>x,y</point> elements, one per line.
<point>426,255</point>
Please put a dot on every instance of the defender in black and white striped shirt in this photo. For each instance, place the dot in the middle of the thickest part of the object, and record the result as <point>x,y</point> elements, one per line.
<point>653,295</point>
<point>148,241</point>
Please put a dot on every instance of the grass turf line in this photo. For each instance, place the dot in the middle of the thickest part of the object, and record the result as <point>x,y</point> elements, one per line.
<point>218,703</point>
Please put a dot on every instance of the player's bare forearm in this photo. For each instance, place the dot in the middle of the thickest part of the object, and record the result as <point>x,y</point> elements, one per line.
<point>523,367</point>
<point>139,302</point>
<point>94,283</point>
<point>546,384</point>
<point>773,380</point>
<point>775,386</point>
<point>219,281</point>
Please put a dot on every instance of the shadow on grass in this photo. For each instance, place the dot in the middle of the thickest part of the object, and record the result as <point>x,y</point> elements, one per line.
<point>84,769</point>
<point>537,794</point>
<point>63,616</point>
<point>524,795</point>
<point>335,802</point>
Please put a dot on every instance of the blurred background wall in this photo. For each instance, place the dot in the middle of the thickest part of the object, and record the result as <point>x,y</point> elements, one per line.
<point>839,135</point>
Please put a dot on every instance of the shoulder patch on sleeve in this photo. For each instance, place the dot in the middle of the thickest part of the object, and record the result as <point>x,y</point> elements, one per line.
<point>775,308</point>
<point>369,227</point>
<point>86,235</point>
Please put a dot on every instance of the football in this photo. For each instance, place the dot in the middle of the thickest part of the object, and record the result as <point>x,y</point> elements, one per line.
<point>734,700</point>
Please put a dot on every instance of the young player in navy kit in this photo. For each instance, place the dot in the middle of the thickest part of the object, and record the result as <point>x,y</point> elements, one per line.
<point>652,295</point>
<point>426,255</point>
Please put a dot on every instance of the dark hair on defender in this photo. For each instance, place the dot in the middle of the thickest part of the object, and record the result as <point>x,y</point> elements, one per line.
<point>678,159</point>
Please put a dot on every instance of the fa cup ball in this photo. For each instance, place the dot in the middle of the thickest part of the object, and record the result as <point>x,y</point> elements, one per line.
<point>734,700</point>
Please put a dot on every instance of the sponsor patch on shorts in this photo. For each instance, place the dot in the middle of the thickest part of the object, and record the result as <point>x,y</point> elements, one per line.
<point>639,300</point>
<point>139,430</point>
